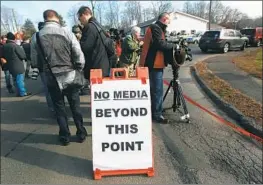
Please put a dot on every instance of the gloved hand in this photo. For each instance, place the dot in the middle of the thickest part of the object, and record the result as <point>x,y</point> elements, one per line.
<point>35,74</point>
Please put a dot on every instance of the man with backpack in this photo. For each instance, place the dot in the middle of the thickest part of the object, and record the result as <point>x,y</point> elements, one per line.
<point>97,47</point>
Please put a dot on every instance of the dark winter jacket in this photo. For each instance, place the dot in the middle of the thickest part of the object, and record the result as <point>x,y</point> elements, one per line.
<point>26,47</point>
<point>155,48</point>
<point>94,50</point>
<point>14,55</point>
<point>3,66</point>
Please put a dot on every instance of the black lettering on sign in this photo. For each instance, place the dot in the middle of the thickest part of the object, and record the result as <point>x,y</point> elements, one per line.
<point>119,129</point>
<point>134,129</point>
<point>101,95</point>
<point>107,113</point>
<point>125,94</point>
<point>99,113</point>
<point>110,128</point>
<point>143,111</point>
<point>122,146</point>
<point>130,94</point>
<point>139,145</point>
<point>117,95</point>
<point>104,146</point>
<point>144,94</point>
<point>133,94</point>
<point>125,112</point>
<point>116,111</point>
<point>134,112</point>
<point>123,129</point>
<point>115,146</point>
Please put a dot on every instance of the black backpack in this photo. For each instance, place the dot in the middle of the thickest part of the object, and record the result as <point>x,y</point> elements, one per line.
<point>108,44</point>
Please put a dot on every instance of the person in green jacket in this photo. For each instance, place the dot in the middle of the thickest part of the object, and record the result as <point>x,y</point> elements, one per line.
<point>130,50</point>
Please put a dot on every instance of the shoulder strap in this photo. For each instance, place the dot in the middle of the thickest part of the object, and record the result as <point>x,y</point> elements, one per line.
<point>99,30</point>
<point>42,51</point>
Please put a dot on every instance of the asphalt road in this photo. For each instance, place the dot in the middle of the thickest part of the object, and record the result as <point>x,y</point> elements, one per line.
<point>203,151</point>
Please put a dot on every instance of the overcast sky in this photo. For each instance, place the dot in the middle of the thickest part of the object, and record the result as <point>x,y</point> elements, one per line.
<point>34,9</point>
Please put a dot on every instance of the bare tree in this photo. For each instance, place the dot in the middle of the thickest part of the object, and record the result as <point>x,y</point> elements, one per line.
<point>159,7</point>
<point>112,15</point>
<point>99,11</point>
<point>200,9</point>
<point>11,21</point>
<point>188,7</point>
<point>72,14</point>
<point>258,22</point>
<point>146,14</point>
<point>93,6</point>
<point>132,12</point>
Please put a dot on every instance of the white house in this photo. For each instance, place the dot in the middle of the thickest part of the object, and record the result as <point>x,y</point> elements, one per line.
<point>181,22</point>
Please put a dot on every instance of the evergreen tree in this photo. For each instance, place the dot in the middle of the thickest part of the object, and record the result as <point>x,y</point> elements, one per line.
<point>28,28</point>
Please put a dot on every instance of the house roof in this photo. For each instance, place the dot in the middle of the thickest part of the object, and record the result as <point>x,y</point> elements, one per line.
<point>151,21</point>
<point>214,26</point>
<point>192,16</point>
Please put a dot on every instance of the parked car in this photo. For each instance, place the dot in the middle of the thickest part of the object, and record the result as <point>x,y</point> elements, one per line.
<point>223,40</point>
<point>194,38</point>
<point>254,35</point>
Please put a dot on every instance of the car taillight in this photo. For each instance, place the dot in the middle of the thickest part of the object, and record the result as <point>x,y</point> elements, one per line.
<point>218,40</point>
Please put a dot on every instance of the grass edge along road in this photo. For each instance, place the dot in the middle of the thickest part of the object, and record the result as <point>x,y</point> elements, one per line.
<point>246,105</point>
<point>250,62</point>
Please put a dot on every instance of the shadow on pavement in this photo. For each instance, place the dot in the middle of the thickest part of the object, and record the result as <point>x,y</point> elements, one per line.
<point>34,112</point>
<point>60,163</point>
<point>34,138</point>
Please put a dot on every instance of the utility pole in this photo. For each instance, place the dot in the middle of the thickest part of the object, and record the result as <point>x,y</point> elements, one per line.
<point>209,24</point>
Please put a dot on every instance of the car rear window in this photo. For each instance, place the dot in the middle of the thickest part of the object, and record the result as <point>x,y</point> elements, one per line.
<point>212,34</point>
<point>248,31</point>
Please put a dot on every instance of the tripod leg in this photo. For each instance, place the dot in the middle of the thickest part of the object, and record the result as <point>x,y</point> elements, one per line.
<point>178,103</point>
<point>170,85</point>
<point>186,113</point>
<point>183,100</point>
<point>175,98</point>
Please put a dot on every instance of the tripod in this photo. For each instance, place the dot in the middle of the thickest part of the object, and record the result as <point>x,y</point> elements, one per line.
<point>178,98</point>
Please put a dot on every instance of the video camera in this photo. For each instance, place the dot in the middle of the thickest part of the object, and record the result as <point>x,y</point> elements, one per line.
<point>114,34</point>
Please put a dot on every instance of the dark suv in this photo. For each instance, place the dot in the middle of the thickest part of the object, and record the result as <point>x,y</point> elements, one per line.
<point>223,40</point>
<point>254,35</point>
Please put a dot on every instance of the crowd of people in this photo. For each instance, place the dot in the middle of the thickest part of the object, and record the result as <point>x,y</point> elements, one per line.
<point>61,58</point>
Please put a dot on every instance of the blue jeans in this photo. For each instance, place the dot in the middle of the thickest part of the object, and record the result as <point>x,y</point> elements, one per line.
<point>47,94</point>
<point>8,79</point>
<point>20,85</point>
<point>156,88</point>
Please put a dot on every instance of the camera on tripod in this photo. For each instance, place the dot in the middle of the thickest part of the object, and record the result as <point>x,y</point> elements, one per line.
<point>179,57</point>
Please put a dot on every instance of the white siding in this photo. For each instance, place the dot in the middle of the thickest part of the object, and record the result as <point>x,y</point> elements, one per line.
<point>182,22</point>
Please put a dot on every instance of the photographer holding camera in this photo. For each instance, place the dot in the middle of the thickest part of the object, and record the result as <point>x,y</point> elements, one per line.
<point>156,54</point>
<point>130,50</point>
